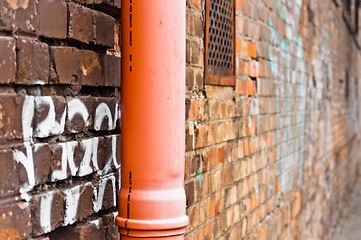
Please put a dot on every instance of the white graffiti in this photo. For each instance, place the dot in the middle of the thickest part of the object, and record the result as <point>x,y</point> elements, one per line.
<point>99,195</point>
<point>90,147</point>
<point>50,126</point>
<point>77,107</point>
<point>45,211</point>
<point>67,159</point>
<point>72,196</point>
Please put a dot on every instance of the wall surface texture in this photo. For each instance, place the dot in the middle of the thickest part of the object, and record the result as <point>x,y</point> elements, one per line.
<point>270,154</point>
<point>275,154</point>
<point>59,118</point>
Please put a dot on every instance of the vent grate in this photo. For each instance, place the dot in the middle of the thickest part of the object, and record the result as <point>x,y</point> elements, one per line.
<point>220,36</point>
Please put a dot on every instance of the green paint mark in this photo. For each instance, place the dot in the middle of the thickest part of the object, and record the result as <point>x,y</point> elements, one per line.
<point>199,177</point>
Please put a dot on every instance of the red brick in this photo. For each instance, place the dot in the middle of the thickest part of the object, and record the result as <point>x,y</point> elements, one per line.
<point>52,18</point>
<point>252,50</point>
<point>33,62</point>
<point>196,3</point>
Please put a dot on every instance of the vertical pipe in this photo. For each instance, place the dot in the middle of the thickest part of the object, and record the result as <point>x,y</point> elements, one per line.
<point>151,198</point>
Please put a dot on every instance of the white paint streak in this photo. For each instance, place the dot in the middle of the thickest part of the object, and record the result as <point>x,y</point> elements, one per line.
<point>67,158</point>
<point>77,107</point>
<point>49,126</point>
<point>27,161</point>
<point>45,211</point>
<point>103,112</point>
<point>96,222</point>
<point>71,204</point>
<point>90,148</point>
<point>99,195</point>
<point>27,118</point>
<point>112,160</point>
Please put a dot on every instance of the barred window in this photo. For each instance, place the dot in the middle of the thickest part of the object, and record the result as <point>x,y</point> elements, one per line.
<point>219,55</point>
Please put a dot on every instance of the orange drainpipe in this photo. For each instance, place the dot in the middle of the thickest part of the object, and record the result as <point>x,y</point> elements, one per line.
<point>152,198</point>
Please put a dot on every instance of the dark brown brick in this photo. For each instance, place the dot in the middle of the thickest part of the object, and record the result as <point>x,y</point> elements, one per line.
<point>92,229</point>
<point>58,171</point>
<point>45,107</point>
<point>10,108</point>
<point>104,29</point>
<point>109,148</point>
<point>66,64</point>
<point>15,220</point>
<point>47,211</point>
<point>101,152</point>
<point>95,1</point>
<point>85,208</point>
<point>107,122</point>
<point>40,157</point>
<point>111,229</point>
<point>117,3</point>
<point>80,23</point>
<point>90,65</point>
<point>52,18</point>
<point>189,190</point>
<point>19,16</point>
<point>8,170</point>
<point>6,18</point>
<point>111,68</point>
<point>105,185</point>
<point>32,61</point>
<point>82,196</point>
<point>80,112</point>
<point>7,60</point>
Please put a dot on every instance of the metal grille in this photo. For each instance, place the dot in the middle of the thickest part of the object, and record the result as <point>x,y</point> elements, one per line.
<point>220,36</point>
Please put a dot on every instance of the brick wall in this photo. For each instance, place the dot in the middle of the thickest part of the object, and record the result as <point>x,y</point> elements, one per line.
<point>274,155</point>
<point>271,154</point>
<point>59,126</point>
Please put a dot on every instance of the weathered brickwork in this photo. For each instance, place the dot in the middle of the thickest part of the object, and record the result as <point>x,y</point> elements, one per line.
<point>59,119</point>
<point>274,156</point>
<point>270,154</point>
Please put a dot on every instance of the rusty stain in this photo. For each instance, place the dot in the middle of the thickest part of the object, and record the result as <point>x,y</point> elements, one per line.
<point>89,64</point>
<point>16,4</point>
<point>9,234</point>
